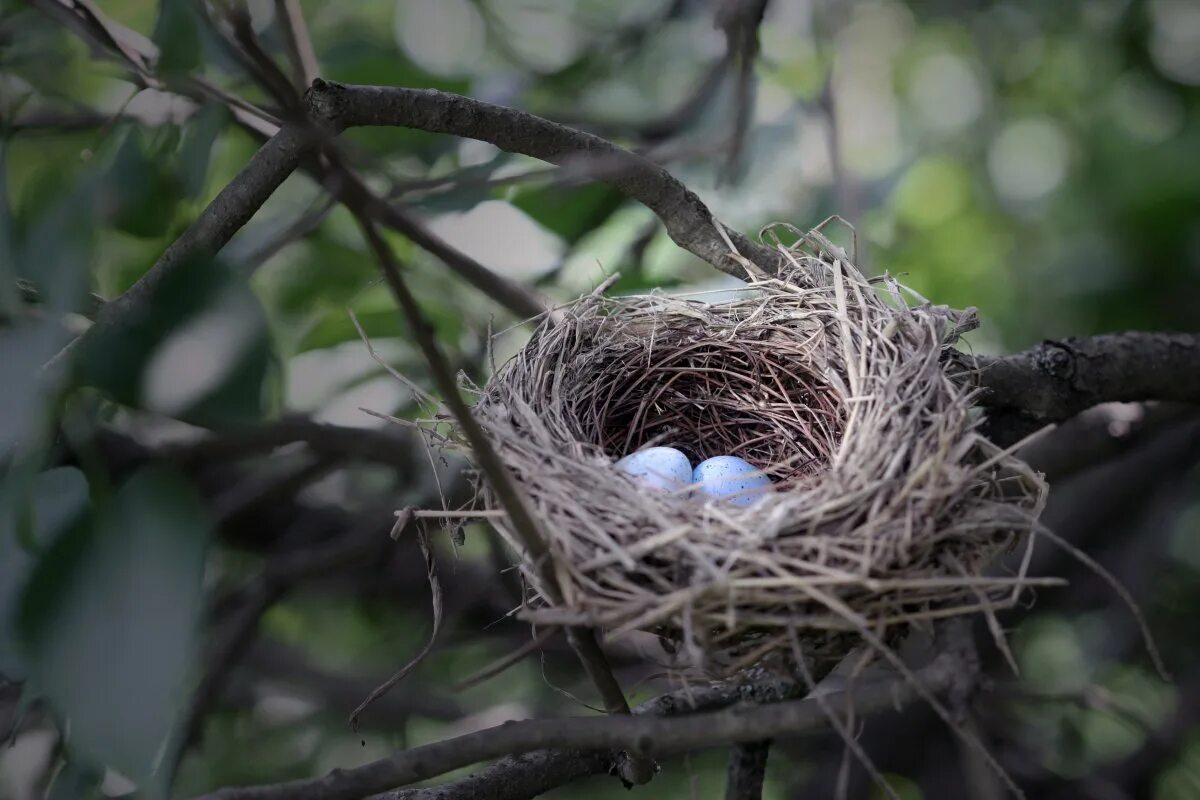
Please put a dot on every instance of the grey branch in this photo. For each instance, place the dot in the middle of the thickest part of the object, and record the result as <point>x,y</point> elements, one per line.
<point>1055,380</point>
<point>644,734</point>
<point>746,771</point>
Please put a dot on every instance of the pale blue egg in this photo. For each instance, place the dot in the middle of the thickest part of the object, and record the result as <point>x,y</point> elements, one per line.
<point>662,468</point>
<point>732,479</point>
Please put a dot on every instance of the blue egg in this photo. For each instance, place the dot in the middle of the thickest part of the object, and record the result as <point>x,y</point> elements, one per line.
<point>732,479</point>
<point>663,468</point>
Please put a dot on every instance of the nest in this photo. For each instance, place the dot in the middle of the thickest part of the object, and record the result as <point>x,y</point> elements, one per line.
<point>887,505</point>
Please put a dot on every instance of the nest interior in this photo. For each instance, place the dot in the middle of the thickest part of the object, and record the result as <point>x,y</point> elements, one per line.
<point>886,508</point>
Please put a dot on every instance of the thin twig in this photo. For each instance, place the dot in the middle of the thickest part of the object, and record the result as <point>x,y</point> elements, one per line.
<point>435,588</point>
<point>299,44</point>
<point>524,525</point>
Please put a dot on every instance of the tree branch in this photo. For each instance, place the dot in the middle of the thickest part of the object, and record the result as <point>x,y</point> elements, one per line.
<point>531,774</point>
<point>299,44</point>
<point>687,220</point>
<point>582,640</point>
<point>384,446</point>
<point>1055,380</point>
<point>746,771</point>
<point>648,735</point>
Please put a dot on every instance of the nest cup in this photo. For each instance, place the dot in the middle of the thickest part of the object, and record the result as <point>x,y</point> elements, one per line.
<point>886,505</point>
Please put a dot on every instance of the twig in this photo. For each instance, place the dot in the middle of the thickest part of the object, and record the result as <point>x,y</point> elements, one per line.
<point>288,666</point>
<point>686,219</point>
<point>526,528</point>
<point>1102,434</point>
<point>382,446</point>
<point>508,293</point>
<point>298,229</point>
<point>504,662</point>
<point>299,44</point>
<point>740,20</point>
<point>435,588</point>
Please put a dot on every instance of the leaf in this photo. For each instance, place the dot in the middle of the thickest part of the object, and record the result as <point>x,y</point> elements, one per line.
<point>109,621</point>
<point>33,513</point>
<point>74,782</point>
<point>197,348</point>
<point>177,34</point>
<point>56,253</point>
<point>8,248</point>
<point>195,149</point>
<point>24,347</point>
<point>569,212</point>
<point>142,191</point>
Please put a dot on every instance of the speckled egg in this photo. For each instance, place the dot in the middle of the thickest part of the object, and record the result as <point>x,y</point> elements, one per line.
<point>663,468</point>
<point>731,478</point>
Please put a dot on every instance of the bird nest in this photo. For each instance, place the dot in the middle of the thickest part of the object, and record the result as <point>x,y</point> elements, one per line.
<point>886,506</point>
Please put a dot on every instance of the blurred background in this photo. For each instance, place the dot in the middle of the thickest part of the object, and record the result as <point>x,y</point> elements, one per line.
<point>194,511</point>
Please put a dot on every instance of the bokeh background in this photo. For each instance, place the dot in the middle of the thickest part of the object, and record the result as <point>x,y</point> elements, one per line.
<point>161,495</point>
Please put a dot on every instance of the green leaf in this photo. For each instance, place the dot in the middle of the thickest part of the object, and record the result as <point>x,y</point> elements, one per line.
<point>74,782</point>
<point>177,34</point>
<point>195,149</point>
<point>196,348</point>
<point>569,212</point>
<point>56,253</point>
<point>109,621</point>
<point>24,347</point>
<point>141,189</point>
<point>33,513</point>
<point>8,247</point>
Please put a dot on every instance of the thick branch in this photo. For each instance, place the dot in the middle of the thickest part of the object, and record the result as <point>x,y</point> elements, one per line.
<point>643,734</point>
<point>687,220</point>
<point>531,774</point>
<point>1057,379</point>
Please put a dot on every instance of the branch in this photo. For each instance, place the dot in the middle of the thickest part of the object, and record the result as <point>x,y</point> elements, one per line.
<point>1101,434</point>
<point>1057,379</point>
<point>647,735</point>
<point>583,640</point>
<point>299,44</point>
<point>383,446</point>
<point>350,190</point>
<point>747,768</point>
<point>687,220</point>
<point>532,774</point>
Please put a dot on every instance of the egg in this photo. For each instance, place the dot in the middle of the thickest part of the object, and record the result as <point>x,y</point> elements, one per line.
<point>662,468</point>
<point>732,479</point>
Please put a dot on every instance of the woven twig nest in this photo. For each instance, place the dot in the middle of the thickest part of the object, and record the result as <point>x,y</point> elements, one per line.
<point>887,505</point>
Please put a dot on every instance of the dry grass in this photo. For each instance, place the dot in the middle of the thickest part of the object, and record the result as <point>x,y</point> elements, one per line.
<point>887,505</point>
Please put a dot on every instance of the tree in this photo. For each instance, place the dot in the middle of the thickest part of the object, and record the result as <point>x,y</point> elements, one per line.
<point>168,520</point>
